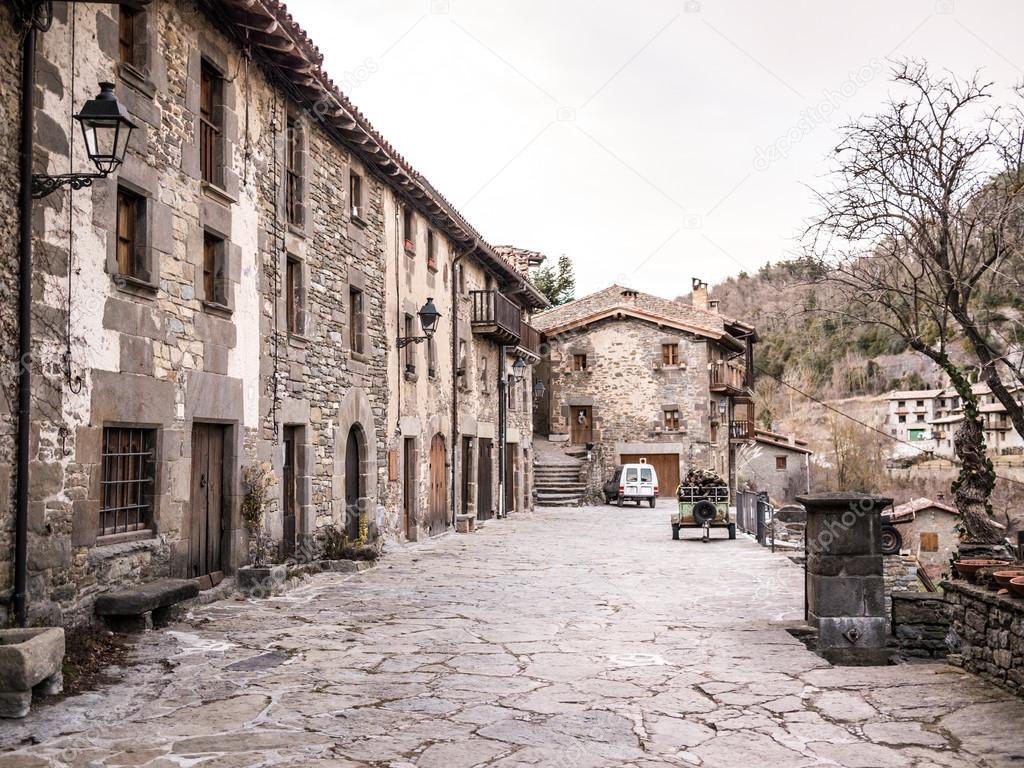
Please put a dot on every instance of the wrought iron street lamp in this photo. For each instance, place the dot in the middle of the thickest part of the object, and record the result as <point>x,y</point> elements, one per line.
<point>538,389</point>
<point>429,317</point>
<point>519,369</point>
<point>106,129</point>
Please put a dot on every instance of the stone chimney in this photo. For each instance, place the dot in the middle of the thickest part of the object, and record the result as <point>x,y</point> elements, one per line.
<point>700,293</point>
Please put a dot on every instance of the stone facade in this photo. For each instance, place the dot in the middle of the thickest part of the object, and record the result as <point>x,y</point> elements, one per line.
<point>777,464</point>
<point>920,624</point>
<point>989,630</point>
<point>611,381</point>
<point>222,302</point>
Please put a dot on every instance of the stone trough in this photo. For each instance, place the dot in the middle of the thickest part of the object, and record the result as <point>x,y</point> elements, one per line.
<point>30,659</point>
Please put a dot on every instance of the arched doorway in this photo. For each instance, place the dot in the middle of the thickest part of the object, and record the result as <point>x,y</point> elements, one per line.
<point>354,485</point>
<point>438,486</point>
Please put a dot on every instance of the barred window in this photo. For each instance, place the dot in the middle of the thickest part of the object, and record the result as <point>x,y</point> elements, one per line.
<point>128,474</point>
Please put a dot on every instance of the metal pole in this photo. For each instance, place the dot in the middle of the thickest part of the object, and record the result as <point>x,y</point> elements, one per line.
<point>502,431</point>
<point>24,332</point>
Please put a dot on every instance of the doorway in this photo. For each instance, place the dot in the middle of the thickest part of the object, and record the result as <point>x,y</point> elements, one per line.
<point>467,466</point>
<point>510,478</point>
<point>206,521</point>
<point>409,486</point>
<point>438,486</point>
<point>353,482</point>
<point>581,419</point>
<point>289,490</point>
<point>483,479</point>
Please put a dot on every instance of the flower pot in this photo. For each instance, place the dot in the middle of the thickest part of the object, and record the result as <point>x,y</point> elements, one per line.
<point>967,569</point>
<point>1003,578</point>
<point>1016,586</point>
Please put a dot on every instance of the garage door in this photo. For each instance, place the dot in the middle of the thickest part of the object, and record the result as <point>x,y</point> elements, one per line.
<point>665,464</point>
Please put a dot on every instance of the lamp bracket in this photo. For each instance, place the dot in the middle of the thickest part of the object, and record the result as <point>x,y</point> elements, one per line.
<point>43,184</point>
<point>404,341</point>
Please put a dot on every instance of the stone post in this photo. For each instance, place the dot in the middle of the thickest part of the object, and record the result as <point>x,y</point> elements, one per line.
<point>845,582</point>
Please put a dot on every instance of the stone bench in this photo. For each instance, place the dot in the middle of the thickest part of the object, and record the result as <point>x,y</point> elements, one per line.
<point>29,659</point>
<point>138,608</point>
<point>465,523</point>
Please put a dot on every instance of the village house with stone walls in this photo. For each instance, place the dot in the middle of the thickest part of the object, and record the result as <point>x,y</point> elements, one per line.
<point>230,298</point>
<point>779,465</point>
<point>633,376</point>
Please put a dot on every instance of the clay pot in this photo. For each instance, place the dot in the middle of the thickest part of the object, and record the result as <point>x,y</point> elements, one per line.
<point>1017,586</point>
<point>1002,578</point>
<point>968,568</point>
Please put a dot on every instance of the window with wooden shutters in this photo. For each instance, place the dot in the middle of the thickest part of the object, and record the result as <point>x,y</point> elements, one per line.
<point>780,462</point>
<point>293,172</point>
<point>672,420</point>
<point>210,128</point>
<point>131,212</point>
<point>355,195</point>
<point>579,362</point>
<point>410,350</point>
<point>357,323</point>
<point>128,475</point>
<point>214,277</point>
<point>431,250</point>
<point>670,354</point>
<point>294,297</point>
<point>127,21</point>
<point>409,230</point>
<point>929,542</point>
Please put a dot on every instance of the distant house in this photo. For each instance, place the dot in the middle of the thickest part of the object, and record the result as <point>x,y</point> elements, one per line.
<point>929,531</point>
<point>776,463</point>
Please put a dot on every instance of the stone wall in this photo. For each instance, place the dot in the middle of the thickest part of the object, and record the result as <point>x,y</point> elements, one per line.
<point>757,468</point>
<point>920,624</point>
<point>989,630</point>
<point>900,573</point>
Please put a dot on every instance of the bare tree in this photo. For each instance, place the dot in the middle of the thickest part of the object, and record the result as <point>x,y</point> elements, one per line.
<point>924,220</point>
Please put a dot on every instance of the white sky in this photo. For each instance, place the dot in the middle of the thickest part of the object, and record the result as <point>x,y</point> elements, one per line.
<point>635,137</point>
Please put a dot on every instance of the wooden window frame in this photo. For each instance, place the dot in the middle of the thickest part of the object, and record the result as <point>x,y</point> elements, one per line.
<point>579,361</point>
<point>357,322</point>
<point>431,251</point>
<point>294,296</point>
<point>670,354</point>
<point>355,194</point>
<point>211,129</point>
<point>671,419</point>
<point>294,172</point>
<point>128,480</point>
<point>409,231</point>
<point>410,349</point>
<point>932,539</point>
<point>782,463</point>
<point>128,19</point>
<point>215,280</point>
<point>130,234</point>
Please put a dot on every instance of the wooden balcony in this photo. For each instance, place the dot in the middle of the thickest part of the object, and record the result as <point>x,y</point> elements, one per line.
<point>741,429</point>
<point>495,317</point>
<point>529,341</point>
<point>727,376</point>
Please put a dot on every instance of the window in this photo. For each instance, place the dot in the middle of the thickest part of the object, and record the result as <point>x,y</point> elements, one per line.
<point>131,211</point>
<point>357,321</point>
<point>920,417</point>
<point>929,542</point>
<point>431,250</point>
<point>127,20</point>
<point>293,172</point>
<point>646,476</point>
<point>483,375</point>
<point>214,281</point>
<point>409,230</point>
<point>579,362</point>
<point>672,420</point>
<point>713,437</point>
<point>410,350</point>
<point>670,354</point>
<point>780,462</point>
<point>901,404</point>
<point>919,404</point>
<point>462,358</point>
<point>431,359</point>
<point>942,402</point>
<point>128,474</point>
<point>210,128</point>
<point>902,419</point>
<point>355,194</point>
<point>293,296</point>
<point>510,392</point>
<point>461,277</point>
<point>631,475</point>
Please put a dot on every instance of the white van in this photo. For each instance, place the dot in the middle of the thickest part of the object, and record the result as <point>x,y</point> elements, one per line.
<point>633,482</point>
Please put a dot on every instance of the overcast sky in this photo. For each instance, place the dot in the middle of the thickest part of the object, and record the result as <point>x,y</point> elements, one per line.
<point>652,140</point>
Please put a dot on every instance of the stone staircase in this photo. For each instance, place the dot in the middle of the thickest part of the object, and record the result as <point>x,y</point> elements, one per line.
<point>558,484</point>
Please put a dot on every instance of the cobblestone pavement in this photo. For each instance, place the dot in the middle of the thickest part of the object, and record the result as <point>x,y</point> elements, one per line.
<point>570,639</point>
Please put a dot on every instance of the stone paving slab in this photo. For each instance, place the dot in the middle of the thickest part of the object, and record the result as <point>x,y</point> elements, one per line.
<point>572,638</point>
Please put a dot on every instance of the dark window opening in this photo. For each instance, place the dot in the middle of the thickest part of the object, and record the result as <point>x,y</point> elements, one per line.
<point>214,277</point>
<point>128,475</point>
<point>357,324</point>
<point>431,250</point>
<point>355,193</point>
<point>293,296</point>
<point>410,350</point>
<point>409,230</point>
<point>210,128</point>
<point>127,23</point>
<point>130,227</point>
<point>579,362</point>
<point>293,172</point>
<point>780,462</point>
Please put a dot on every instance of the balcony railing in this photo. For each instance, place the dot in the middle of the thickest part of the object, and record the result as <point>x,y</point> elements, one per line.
<point>742,429</point>
<point>496,317</point>
<point>529,340</point>
<point>726,375</point>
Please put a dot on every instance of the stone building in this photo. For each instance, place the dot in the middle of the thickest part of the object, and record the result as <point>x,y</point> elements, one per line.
<point>222,302</point>
<point>929,531</point>
<point>775,463</point>
<point>636,376</point>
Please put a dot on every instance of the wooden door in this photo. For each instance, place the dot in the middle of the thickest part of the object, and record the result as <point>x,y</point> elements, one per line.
<point>206,521</point>
<point>665,464</point>
<point>510,478</point>
<point>582,424</point>
<point>438,486</point>
<point>353,484</point>
<point>409,485</point>
<point>483,479</point>
<point>289,497</point>
<point>467,464</point>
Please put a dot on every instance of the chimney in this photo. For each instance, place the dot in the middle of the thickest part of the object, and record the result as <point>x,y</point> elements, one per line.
<point>700,293</point>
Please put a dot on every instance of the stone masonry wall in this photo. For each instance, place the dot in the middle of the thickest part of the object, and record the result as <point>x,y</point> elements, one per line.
<point>989,629</point>
<point>920,624</point>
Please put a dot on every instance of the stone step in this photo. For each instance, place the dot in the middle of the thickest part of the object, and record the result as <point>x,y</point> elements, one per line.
<point>557,497</point>
<point>561,487</point>
<point>556,472</point>
<point>569,502</point>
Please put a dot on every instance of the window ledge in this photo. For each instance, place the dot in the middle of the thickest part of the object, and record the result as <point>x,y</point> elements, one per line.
<point>359,221</point>
<point>299,230</point>
<point>359,357</point>
<point>410,252</point>
<point>136,78</point>
<point>432,266</point>
<point>125,538</point>
<point>298,340</point>
<point>411,376</point>
<point>216,308</point>
<point>218,193</point>
<point>135,286</point>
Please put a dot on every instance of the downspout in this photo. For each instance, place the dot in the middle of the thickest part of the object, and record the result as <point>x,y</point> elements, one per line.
<point>502,429</point>
<point>455,378</point>
<point>24,331</point>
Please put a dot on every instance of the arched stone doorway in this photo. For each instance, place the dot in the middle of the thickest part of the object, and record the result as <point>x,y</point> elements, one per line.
<point>438,515</point>
<point>355,481</point>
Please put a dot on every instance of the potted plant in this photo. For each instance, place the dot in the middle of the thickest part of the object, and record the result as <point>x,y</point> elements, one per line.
<point>260,576</point>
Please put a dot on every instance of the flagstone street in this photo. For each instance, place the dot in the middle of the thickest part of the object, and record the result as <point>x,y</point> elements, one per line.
<point>573,637</point>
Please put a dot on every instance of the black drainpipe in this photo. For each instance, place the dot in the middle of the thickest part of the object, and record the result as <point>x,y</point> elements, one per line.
<point>24,332</point>
<point>456,443</point>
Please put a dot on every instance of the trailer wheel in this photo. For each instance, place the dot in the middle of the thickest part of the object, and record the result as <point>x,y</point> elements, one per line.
<point>732,530</point>
<point>892,541</point>
<point>618,500</point>
<point>675,532</point>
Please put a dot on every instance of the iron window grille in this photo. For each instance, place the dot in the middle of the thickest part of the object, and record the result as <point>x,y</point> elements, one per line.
<point>127,482</point>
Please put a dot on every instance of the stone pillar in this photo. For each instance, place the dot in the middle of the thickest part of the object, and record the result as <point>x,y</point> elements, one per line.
<point>845,582</point>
